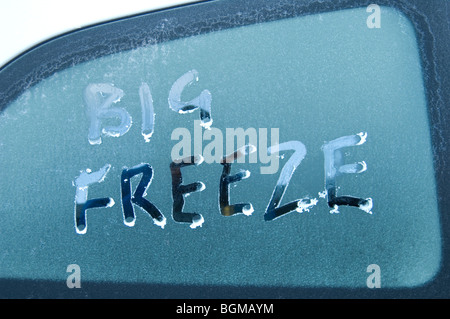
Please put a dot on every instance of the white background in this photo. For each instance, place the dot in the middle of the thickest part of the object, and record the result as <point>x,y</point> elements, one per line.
<point>25,23</point>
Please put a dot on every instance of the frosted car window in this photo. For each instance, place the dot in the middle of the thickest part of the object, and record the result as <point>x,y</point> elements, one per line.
<point>292,153</point>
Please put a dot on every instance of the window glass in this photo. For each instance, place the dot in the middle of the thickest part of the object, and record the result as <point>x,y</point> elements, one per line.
<point>339,175</point>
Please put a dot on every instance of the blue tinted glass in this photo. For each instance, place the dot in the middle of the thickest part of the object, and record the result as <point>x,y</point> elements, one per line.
<point>327,106</point>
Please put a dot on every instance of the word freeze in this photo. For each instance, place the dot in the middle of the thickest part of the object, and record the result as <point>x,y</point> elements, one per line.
<point>99,99</point>
<point>334,167</point>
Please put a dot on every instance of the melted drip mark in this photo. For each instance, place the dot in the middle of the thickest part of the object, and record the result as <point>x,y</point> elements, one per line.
<point>203,101</point>
<point>334,167</point>
<point>205,117</point>
<point>179,191</point>
<point>226,179</point>
<point>274,210</point>
<point>82,204</point>
<point>138,196</point>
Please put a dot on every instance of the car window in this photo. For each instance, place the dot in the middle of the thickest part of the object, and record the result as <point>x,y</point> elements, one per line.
<point>293,153</point>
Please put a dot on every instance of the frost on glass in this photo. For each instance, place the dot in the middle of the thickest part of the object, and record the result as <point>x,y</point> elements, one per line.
<point>312,82</point>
